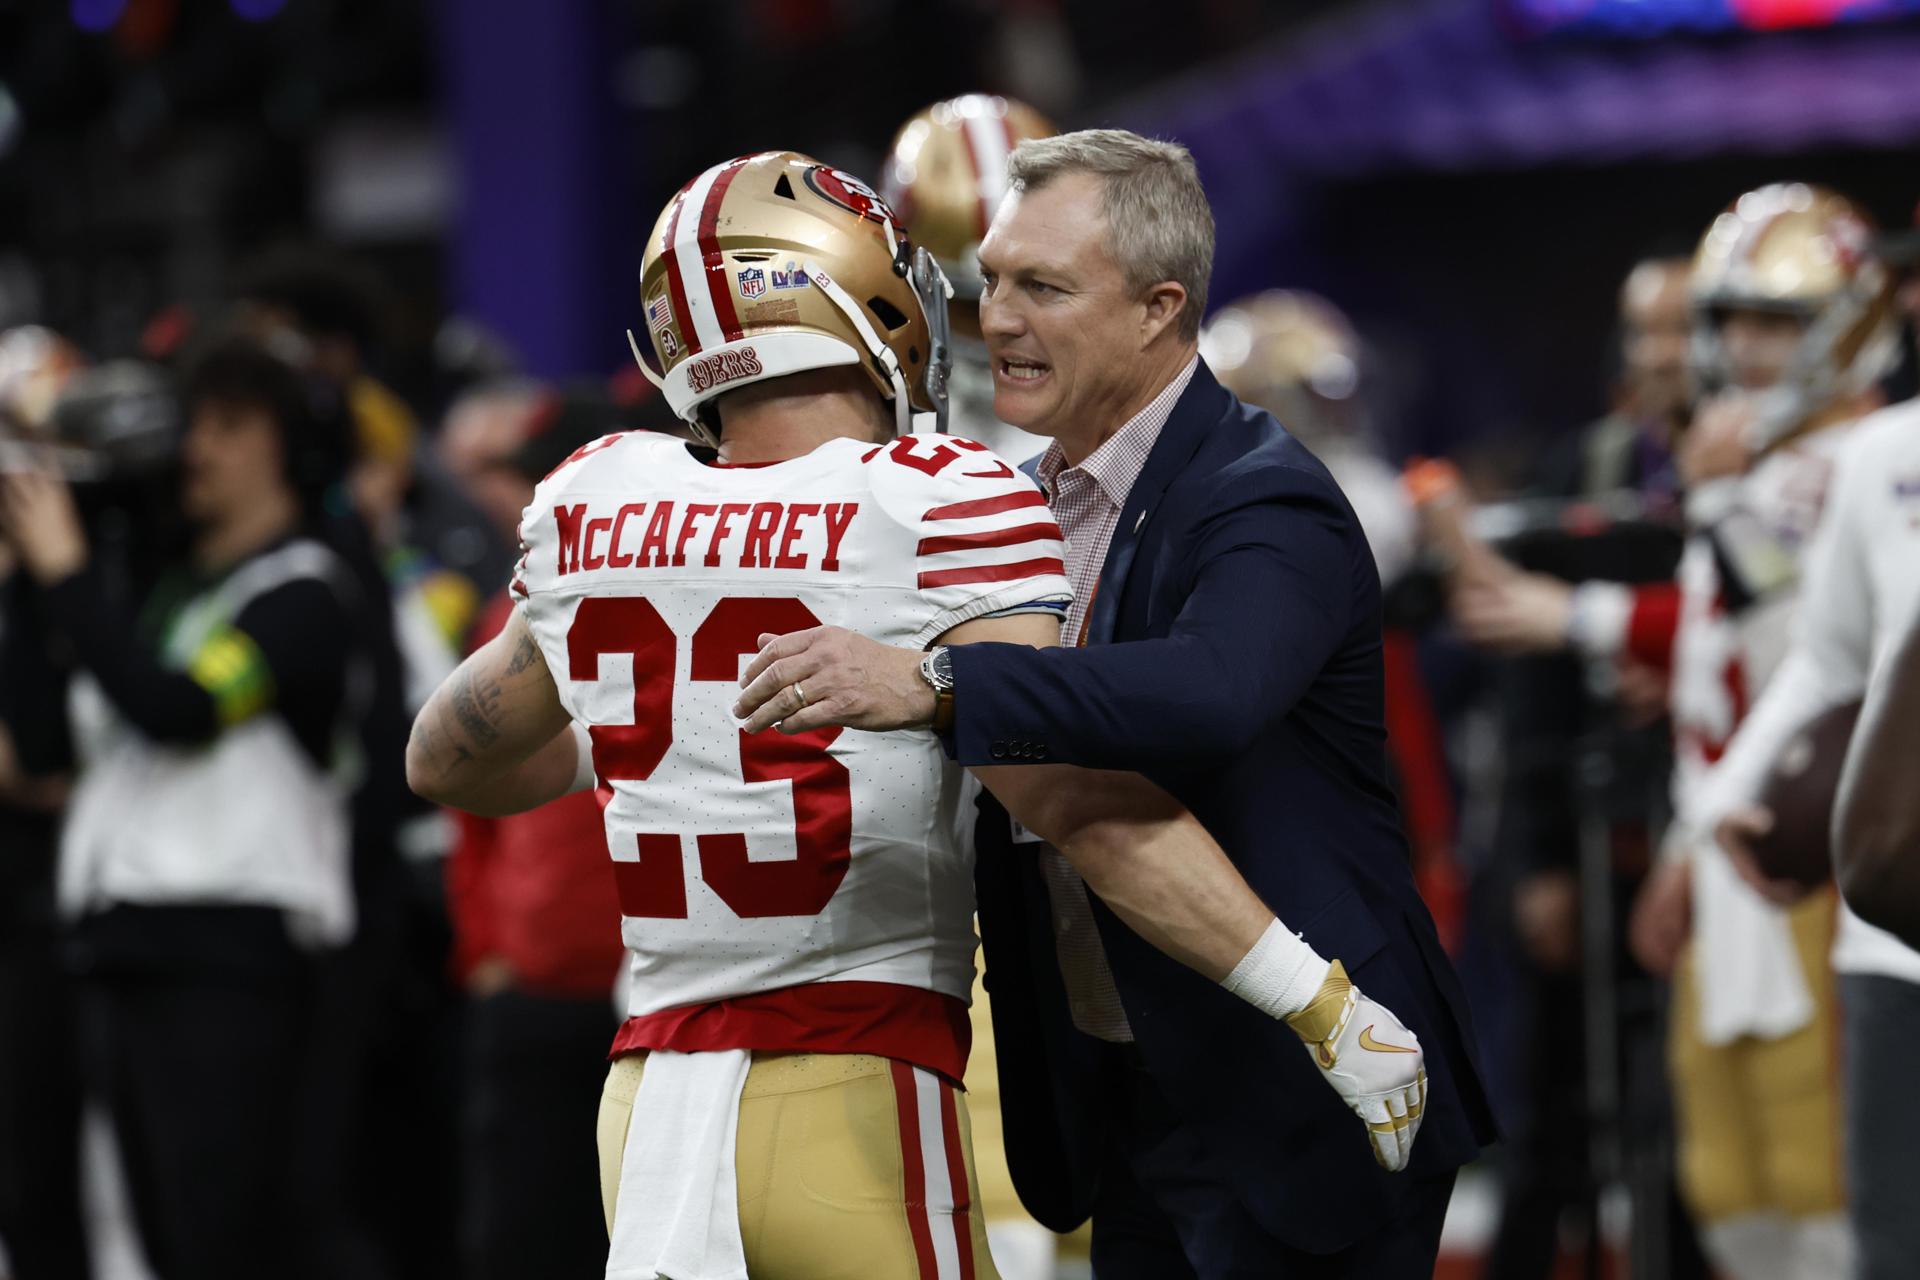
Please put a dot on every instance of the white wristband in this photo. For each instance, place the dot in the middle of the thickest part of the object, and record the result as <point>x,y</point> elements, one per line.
<point>583,778</point>
<point>1280,975</point>
<point>1598,619</point>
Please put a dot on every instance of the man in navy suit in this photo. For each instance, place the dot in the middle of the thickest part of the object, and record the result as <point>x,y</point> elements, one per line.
<point>1225,644</point>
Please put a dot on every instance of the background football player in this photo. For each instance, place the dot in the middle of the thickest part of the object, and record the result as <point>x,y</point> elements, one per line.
<point>1860,589</point>
<point>945,175</point>
<point>783,1100</point>
<point>1792,333</point>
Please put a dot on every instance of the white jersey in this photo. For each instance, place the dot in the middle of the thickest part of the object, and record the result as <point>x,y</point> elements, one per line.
<point>1860,596</point>
<point>1750,981</point>
<point>752,865</point>
<point>1721,659</point>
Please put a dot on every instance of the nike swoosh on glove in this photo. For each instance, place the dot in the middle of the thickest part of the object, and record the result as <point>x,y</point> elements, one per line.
<point>1372,1061</point>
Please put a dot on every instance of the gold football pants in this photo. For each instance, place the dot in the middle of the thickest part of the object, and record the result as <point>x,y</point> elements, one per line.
<point>1759,1120</point>
<point>849,1167</point>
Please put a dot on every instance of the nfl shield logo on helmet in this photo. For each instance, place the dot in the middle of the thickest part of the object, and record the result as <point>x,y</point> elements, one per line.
<point>753,282</point>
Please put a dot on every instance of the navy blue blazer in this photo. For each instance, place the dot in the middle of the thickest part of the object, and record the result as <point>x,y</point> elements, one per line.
<point>1233,657</point>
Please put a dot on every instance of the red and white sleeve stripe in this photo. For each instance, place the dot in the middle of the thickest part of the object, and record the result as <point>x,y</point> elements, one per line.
<point>999,538</point>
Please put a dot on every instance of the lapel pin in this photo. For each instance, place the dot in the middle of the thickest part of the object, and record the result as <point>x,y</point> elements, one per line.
<point>1137,523</point>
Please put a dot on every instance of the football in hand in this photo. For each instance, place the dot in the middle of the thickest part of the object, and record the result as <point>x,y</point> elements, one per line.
<point>1800,792</point>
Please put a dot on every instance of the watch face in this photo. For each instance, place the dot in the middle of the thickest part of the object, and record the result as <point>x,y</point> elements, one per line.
<point>943,668</point>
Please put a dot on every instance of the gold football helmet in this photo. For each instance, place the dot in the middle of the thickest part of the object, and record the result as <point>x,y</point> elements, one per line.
<point>1293,354</point>
<point>774,263</point>
<point>947,171</point>
<point>1806,251</point>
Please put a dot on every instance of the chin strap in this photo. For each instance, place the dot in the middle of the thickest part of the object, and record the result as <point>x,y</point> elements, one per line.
<point>880,351</point>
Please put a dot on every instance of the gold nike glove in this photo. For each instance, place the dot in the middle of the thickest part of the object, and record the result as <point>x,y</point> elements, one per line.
<point>1372,1061</point>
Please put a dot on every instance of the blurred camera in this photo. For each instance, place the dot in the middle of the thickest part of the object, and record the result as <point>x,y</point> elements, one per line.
<point>113,431</point>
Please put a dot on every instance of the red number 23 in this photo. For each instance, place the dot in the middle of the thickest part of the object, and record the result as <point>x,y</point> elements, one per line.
<point>656,886</point>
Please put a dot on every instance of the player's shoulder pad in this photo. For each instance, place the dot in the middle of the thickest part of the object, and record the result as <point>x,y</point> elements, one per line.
<point>597,454</point>
<point>597,465</point>
<point>924,480</point>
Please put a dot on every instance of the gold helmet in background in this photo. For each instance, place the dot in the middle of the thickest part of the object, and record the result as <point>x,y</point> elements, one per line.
<point>947,171</point>
<point>1805,251</point>
<point>774,263</point>
<point>1293,354</point>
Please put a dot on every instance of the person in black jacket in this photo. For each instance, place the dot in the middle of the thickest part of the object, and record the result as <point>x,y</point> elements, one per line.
<point>205,862</point>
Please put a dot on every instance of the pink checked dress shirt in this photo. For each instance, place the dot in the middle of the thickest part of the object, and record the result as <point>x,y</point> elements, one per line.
<point>1087,501</point>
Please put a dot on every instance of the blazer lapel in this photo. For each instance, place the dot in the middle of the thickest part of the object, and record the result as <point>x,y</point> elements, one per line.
<point>1199,407</point>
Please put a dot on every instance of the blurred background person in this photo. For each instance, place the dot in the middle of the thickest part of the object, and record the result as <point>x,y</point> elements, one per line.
<point>330,306</point>
<point>420,550</point>
<point>40,1098</point>
<point>1860,585</point>
<point>1565,718</point>
<point>1791,337</point>
<point>536,929</point>
<point>206,856</point>
<point>484,427</point>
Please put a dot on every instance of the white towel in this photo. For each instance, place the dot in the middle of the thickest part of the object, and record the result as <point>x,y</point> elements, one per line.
<point>1746,967</point>
<point>677,1216</point>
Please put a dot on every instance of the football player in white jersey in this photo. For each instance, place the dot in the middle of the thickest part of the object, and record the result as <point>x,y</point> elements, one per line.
<point>1794,331</point>
<point>797,908</point>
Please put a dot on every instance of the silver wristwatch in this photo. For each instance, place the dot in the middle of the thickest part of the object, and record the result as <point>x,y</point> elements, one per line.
<point>936,668</point>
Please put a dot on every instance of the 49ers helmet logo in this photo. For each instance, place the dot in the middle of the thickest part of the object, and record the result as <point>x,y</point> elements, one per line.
<point>723,366</point>
<point>851,194</point>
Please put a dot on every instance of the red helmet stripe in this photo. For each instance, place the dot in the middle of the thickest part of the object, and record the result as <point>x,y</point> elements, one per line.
<point>989,141</point>
<point>718,287</point>
<point>676,289</point>
<point>973,163</point>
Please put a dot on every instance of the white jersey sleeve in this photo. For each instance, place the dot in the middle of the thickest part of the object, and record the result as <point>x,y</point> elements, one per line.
<point>984,542</point>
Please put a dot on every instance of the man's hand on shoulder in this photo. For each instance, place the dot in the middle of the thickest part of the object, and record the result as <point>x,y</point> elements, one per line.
<point>832,676</point>
<point>1372,1061</point>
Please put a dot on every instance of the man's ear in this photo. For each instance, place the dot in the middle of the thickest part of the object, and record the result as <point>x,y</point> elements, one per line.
<point>1164,304</point>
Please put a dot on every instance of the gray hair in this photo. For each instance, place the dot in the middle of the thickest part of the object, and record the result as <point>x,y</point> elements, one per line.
<point>1159,224</point>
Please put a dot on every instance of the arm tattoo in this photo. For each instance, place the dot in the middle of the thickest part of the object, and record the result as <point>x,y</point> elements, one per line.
<point>523,654</point>
<point>444,755</point>
<point>476,710</point>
